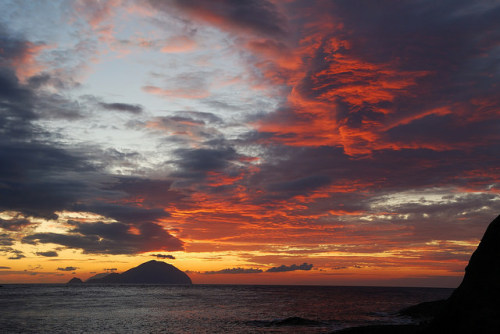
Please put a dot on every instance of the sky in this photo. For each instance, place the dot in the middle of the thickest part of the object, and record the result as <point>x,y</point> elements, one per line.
<point>248,142</point>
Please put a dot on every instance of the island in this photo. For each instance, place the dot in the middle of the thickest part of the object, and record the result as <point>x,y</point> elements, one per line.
<point>75,280</point>
<point>151,272</point>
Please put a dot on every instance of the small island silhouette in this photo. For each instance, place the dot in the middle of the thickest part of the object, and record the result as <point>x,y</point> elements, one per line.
<point>151,272</point>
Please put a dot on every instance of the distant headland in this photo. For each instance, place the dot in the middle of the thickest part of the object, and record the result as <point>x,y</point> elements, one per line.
<point>151,272</point>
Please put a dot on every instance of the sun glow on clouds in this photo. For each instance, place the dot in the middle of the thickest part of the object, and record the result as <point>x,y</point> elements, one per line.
<point>244,136</point>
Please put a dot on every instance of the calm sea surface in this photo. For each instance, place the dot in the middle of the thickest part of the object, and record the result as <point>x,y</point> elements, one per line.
<point>201,308</point>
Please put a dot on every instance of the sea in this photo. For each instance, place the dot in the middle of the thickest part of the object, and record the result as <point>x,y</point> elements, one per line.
<point>60,308</point>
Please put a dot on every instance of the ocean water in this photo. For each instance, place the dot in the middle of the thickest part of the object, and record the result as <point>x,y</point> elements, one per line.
<point>202,308</point>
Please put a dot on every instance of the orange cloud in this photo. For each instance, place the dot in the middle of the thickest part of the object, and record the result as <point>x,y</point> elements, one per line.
<point>26,64</point>
<point>181,93</point>
<point>179,44</point>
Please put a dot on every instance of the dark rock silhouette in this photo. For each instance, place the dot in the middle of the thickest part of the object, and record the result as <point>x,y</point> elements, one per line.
<point>107,278</point>
<point>295,321</point>
<point>474,307</point>
<point>97,276</point>
<point>424,311</point>
<point>151,272</point>
<point>381,329</point>
<point>291,321</point>
<point>75,280</point>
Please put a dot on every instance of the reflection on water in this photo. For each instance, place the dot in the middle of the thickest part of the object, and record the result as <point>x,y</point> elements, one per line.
<point>201,308</point>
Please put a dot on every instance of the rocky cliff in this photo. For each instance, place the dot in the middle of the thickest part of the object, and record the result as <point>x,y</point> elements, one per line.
<point>474,307</point>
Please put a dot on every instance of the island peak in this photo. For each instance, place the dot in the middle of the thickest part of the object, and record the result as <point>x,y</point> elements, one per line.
<point>151,272</point>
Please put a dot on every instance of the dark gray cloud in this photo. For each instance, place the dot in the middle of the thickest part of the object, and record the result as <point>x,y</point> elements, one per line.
<point>110,238</point>
<point>164,256</point>
<point>13,46</point>
<point>6,240</point>
<point>222,105</point>
<point>33,172</point>
<point>152,192</point>
<point>124,213</point>
<point>34,179</point>
<point>16,255</point>
<point>67,268</point>
<point>204,116</point>
<point>39,80</point>
<point>47,254</point>
<point>445,130</point>
<point>169,120</point>
<point>130,108</point>
<point>39,176</point>
<point>2,267</point>
<point>15,224</point>
<point>293,267</point>
<point>16,105</point>
<point>194,164</point>
<point>258,16</point>
<point>300,185</point>
<point>234,271</point>
<point>23,101</point>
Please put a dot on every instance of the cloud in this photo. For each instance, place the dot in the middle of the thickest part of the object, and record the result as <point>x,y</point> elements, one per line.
<point>130,108</point>
<point>260,17</point>
<point>19,272</point>
<point>20,54</point>
<point>293,267</point>
<point>110,238</point>
<point>2,267</point>
<point>47,254</point>
<point>14,224</point>
<point>204,159</point>
<point>6,240</point>
<point>36,175</point>
<point>152,192</point>
<point>182,127</point>
<point>204,116</point>
<point>190,85</point>
<point>67,268</point>
<point>235,271</point>
<point>353,90</point>
<point>124,213</point>
<point>39,184</point>
<point>40,177</point>
<point>179,44</point>
<point>16,255</point>
<point>301,185</point>
<point>196,164</point>
<point>164,256</point>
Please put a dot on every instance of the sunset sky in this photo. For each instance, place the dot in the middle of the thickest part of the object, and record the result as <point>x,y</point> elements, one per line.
<point>264,142</point>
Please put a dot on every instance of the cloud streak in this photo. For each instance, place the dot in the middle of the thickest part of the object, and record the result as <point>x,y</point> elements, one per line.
<point>293,267</point>
<point>67,268</point>
<point>235,271</point>
<point>110,238</point>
